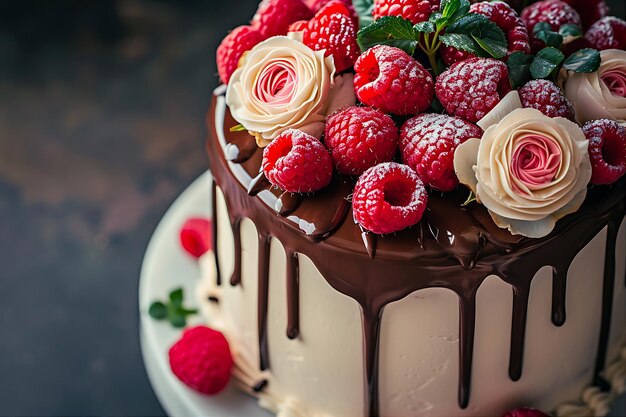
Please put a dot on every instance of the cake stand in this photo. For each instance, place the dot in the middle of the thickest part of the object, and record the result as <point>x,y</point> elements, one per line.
<point>165,267</point>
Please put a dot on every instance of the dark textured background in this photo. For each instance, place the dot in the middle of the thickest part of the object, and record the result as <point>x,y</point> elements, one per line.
<point>101,126</point>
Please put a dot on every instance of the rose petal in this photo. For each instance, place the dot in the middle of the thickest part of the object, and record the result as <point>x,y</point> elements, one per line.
<point>508,103</point>
<point>465,158</point>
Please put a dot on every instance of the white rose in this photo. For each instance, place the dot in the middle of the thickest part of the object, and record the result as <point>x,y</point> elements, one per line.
<point>600,94</point>
<point>528,170</point>
<point>283,84</point>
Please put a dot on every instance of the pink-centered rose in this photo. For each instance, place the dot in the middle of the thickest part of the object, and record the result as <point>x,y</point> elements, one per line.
<point>283,84</point>
<point>528,170</point>
<point>600,94</point>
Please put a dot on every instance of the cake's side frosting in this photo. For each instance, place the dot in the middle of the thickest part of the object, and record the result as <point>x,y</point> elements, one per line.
<point>452,248</point>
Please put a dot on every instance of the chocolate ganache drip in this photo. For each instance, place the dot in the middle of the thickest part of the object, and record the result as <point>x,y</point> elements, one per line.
<point>452,247</point>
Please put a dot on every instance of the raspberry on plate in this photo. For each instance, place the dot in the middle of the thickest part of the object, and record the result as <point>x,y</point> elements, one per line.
<point>525,412</point>
<point>233,46</point>
<point>470,89</point>
<point>388,197</point>
<point>202,360</point>
<point>297,162</point>
<point>428,142</point>
<point>389,79</point>
<point>414,10</point>
<point>333,30</point>
<point>359,138</point>
<point>590,11</point>
<point>546,97</point>
<point>607,33</point>
<point>195,236</point>
<point>273,17</point>
<point>506,18</point>
<point>607,150</point>
<point>555,12</point>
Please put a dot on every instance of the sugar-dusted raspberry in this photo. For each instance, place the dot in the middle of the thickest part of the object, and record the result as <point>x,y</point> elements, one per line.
<point>546,97</point>
<point>297,162</point>
<point>202,360</point>
<point>388,197</point>
<point>470,89</point>
<point>590,11</point>
<point>333,30</point>
<point>414,10</point>
<point>555,12</point>
<point>428,142</point>
<point>607,150</point>
<point>525,412</point>
<point>195,236</point>
<point>316,6</point>
<point>359,138</point>
<point>389,79</point>
<point>233,46</point>
<point>506,18</point>
<point>273,17</point>
<point>607,33</point>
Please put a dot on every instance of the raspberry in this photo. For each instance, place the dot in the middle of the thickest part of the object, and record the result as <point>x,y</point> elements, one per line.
<point>428,142</point>
<point>316,6</point>
<point>202,360</point>
<point>470,89</point>
<point>233,46</point>
<point>414,10</point>
<point>389,79</point>
<point>333,30</point>
<point>555,12</point>
<point>359,138</point>
<point>273,17</point>
<point>297,162</point>
<point>546,97</point>
<point>607,150</point>
<point>195,236</point>
<point>590,11</point>
<point>525,412</point>
<point>607,33</point>
<point>506,18</point>
<point>388,197</point>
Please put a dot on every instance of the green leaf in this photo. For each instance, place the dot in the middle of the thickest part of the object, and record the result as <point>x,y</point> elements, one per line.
<point>157,310</point>
<point>486,35</point>
<point>452,10</point>
<point>177,320</point>
<point>570,29</point>
<point>364,9</point>
<point>462,42</point>
<point>550,38</point>
<point>585,60</point>
<point>519,68</point>
<point>176,297</point>
<point>491,38</point>
<point>425,27</point>
<point>237,128</point>
<point>542,27</point>
<point>546,61</point>
<point>389,30</point>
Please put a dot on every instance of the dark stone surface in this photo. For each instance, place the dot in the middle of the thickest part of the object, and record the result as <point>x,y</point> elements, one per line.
<point>101,126</point>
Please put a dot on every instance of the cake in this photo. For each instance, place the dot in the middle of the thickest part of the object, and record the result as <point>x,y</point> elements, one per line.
<point>350,272</point>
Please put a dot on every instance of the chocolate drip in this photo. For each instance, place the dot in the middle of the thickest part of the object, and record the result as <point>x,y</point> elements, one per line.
<point>293,295</point>
<point>607,301</point>
<point>287,203</point>
<point>260,386</point>
<point>451,248</point>
<point>467,326</point>
<point>369,240</point>
<point>258,184</point>
<point>559,291</point>
<point>242,150</point>
<point>213,299</point>
<point>218,275</point>
<point>235,278</point>
<point>264,281</point>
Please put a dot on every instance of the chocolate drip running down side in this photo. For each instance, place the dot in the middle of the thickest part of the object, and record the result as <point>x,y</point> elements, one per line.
<point>453,248</point>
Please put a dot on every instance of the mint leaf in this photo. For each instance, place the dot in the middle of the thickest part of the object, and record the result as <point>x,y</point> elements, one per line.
<point>550,38</point>
<point>519,68</point>
<point>462,42</point>
<point>487,36</point>
<point>546,61</point>
<point>491,38</point>
<point>364,9</point>
<point>425,27</point>
<point>570,29</point>
<point>177,320</point>
<point>452,10</point>
<point>176,297</point>
<point>585,60</point>
<point>157,310</point>
<point>542,27</point>
<point>389,30</point>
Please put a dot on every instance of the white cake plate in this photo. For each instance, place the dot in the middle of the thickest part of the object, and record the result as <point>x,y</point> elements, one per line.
<point>167,266</point>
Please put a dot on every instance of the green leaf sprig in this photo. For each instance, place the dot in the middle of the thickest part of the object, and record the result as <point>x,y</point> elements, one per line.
<point>453,25</point>
<point>364,9</point>
<point>172,310</point>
